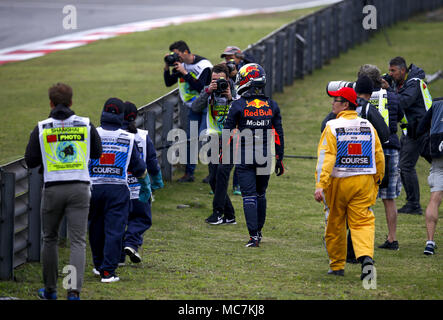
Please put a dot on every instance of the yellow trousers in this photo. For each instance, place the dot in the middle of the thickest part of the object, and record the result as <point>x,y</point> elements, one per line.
<point>348,200</point>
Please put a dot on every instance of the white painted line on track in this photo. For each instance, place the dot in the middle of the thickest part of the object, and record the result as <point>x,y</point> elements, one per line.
<point>73,40</point>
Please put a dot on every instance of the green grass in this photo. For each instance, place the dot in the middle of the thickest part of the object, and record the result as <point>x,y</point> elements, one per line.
<point>184,258</point>
<point>129,67</point>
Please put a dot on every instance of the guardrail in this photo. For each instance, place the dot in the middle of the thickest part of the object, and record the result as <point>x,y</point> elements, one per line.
<point>288,53</point>
<point>20,236</point>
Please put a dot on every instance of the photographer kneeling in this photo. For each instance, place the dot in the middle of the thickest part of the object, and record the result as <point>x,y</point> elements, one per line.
<point>217,98</point>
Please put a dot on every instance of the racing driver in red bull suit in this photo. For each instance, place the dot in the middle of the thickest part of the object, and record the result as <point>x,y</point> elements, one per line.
<point>256,116</point>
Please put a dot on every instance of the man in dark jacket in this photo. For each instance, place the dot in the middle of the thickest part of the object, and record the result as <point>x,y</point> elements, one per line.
<point>387,104</point>
<point>217,103</point>
<point>237,58</point>
<point>62,146</point>
<point>413,97</point>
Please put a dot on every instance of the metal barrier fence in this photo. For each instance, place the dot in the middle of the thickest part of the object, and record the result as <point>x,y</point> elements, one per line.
<point>288,53</point>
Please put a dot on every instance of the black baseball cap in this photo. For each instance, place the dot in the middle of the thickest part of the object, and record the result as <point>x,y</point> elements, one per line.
<point>130,111</point>
<point>114,105</point>
<point>364,85</point>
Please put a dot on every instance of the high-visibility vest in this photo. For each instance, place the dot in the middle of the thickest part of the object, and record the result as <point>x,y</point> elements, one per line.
<point>427,99</point>
<point>113,164</point>
<point>379,99</point>
<point>218,108</point>
<point>65,147</point>
<point>140,140</point>
<point>188,94</point>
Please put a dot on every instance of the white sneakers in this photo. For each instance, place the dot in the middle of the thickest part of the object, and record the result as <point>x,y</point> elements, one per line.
<point>133,255</point>
<point>106,277</point>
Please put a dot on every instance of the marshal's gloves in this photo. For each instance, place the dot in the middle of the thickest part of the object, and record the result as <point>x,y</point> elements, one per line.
<point>157,181</point>
<point>279,168</point>
<point>145,189</point>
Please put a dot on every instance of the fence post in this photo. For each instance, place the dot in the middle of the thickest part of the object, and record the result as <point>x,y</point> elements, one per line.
<point>359,20</point>
<point>34,223</point>
<point>326,48</point>
<point>341,30</point>
<point>309,46</point>
<point>167,125</point>
<point>149,124</point>
<point>257,53</point>
<point>290,58</point>
<point>7,188</point>
<point>353,32</point>
<point>279,62</point>
<point>268,65</point>
<point>334,38</point>
<point>318,42</point>
<point>300,44</point>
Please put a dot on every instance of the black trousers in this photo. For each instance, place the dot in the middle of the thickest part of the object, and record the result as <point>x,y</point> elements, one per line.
<point>219,180</point>
<point>409,154</point>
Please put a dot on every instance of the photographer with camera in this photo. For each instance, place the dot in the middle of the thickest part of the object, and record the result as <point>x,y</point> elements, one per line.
<point>235,59</point>
<point>414,99</point>
<point>363,87</point>
<point>388,105</point>
<point>192,72</point>
<point>217,98</point>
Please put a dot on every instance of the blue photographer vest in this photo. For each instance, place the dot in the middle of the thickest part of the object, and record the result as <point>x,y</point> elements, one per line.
<point>113,164</point>
<point>355,147</point>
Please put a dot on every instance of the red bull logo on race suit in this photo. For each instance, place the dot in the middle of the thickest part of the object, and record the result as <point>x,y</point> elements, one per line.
<point>257,103</point>
<point>257,113</point>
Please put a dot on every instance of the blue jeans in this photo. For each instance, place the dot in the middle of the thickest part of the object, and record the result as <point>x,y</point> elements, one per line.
<point>199,117</point>
<point>393,187</point>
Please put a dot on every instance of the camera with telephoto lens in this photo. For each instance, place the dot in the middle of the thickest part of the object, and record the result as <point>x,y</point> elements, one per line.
<point>337,85</point>
<point>388,79</point>
<point>231,65</point>
<point>172,58</point>
<point>222,85</point>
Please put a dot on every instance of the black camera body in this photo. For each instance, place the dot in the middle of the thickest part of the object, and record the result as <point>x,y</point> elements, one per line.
<point>172,58</point>
<point>388,79</point>
<point>222,85</point>
<point>231,65</point>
